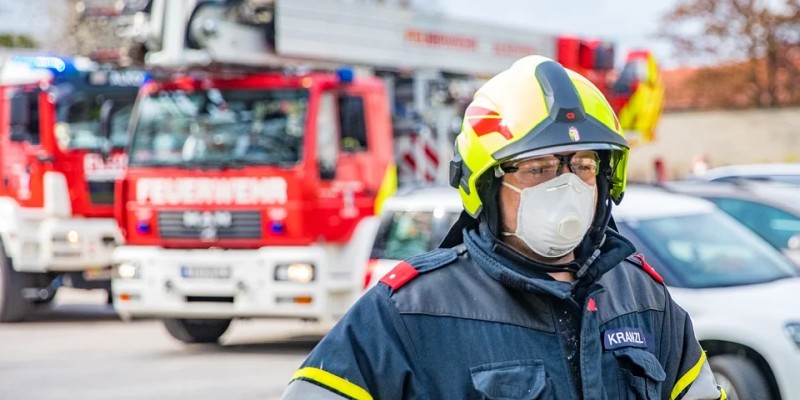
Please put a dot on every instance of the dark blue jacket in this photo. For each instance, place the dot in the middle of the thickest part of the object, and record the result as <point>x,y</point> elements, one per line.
<point>468,323</point>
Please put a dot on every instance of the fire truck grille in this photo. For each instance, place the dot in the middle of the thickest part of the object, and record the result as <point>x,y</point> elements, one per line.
<point>101,192</point>
<point>209,225</point>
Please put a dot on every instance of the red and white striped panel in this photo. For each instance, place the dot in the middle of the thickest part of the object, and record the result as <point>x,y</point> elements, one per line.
<point>417,158</point>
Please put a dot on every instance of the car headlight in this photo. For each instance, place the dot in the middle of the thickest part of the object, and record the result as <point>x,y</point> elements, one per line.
<point>793,328</point>
<point>298,272</point>
<point>127,270</point>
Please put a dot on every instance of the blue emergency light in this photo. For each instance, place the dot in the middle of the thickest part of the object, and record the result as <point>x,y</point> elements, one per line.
<point>56,65</point>
<point>345,74</point>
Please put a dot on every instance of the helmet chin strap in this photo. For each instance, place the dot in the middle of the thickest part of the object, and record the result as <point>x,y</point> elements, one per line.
<point>597,239</point>
<point>597,232</point>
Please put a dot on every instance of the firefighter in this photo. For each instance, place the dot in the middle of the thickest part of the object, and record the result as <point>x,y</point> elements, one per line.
<point>533,294</point>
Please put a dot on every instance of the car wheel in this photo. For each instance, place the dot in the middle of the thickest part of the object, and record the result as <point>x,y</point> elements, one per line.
<point>197,330</point>
<point>13,305</point>
<point>740,378</point>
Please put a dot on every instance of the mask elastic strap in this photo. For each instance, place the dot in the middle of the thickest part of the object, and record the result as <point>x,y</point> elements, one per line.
<point>512,187</point>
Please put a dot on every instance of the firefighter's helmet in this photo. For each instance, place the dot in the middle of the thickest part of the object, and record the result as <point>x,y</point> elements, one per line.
<point>535,107</point>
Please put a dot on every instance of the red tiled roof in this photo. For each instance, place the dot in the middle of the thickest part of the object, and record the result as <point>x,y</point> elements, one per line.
<point>725,86</point>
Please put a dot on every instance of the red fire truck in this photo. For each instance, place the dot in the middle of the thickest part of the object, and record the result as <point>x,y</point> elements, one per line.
<point>256,168</point>
<point>59,164</point>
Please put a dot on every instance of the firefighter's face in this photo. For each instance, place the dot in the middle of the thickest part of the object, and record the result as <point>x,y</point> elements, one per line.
<point>520,175</point>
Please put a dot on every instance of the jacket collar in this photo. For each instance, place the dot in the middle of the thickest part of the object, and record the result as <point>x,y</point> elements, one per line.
<point>516,273</point>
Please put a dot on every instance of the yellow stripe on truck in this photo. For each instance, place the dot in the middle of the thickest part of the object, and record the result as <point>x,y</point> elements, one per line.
<point>388,187</point>
<point>332,381</point>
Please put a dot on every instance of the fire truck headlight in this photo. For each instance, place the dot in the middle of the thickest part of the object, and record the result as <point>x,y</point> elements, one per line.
<point>128,270</point>
<point>73,238</point>
<point>69,238</point>
<point>793,329</point>
<point>298,272</point>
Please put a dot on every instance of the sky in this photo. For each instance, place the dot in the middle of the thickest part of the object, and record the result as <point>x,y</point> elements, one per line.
<point>628,23</point>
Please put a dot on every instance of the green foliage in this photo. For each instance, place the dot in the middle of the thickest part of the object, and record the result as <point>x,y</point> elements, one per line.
<point>17,41</point>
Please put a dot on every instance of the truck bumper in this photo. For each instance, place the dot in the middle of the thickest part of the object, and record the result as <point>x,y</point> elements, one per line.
<point>219,283</point>
<point>70,244</point>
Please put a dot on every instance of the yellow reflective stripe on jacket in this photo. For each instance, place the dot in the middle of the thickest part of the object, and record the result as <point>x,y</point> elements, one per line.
<point>332,381</point>
<point>688,377</point>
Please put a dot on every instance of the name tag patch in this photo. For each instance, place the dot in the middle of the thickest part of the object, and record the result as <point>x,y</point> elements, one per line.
<point>624,337</point>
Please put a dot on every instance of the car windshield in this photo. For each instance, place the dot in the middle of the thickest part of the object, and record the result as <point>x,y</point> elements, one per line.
<point>78,116</point>
<point>711,250</point>
<point>220,126</point>
<point>406,233</point>
<point>776,226</point>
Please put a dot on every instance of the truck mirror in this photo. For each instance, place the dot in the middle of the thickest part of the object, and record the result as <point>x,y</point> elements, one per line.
<point>327,171</point>
<point>106,112</point>
<point>19,117</point>
<point>19,110</point>
<point>106,115</point>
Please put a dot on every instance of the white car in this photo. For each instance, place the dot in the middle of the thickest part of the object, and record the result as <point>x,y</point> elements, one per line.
<point>411,223</point>
<point>777,172</point>
<point>771,210</point>
<point>742,294</point>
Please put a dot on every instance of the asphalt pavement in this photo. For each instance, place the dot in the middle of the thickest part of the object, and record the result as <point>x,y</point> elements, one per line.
<point>78,349</point>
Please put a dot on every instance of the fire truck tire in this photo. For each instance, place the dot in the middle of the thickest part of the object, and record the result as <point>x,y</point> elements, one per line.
<point>13,306</point>
<point>197,330</point>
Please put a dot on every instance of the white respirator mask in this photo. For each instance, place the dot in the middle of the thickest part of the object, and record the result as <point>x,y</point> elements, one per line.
<point>554,216</point>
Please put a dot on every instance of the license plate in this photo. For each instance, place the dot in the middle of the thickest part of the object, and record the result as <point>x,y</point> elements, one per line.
<point>206,272</point>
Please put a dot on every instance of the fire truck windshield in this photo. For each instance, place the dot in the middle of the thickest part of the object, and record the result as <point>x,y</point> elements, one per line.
<point>78,114</point>
<point>220,127</point>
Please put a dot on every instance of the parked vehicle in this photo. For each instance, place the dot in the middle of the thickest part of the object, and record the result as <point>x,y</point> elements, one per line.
<point>412,222</point>
<point>771,210</point>
<point>741,293</point>
<point>778,172</point>
<point>63,128</point>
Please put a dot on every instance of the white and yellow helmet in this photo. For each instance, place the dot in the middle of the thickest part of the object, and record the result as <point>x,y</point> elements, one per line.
<point>535,107</point>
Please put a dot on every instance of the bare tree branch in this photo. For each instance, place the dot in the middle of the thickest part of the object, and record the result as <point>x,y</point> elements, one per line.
<point>757,42</point>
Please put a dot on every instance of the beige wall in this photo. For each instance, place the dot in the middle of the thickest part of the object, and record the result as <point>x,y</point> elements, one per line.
<point>725,137</point>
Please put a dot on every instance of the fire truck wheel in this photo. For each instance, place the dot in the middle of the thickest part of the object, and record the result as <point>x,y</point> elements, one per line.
<point>197,330</point>
<point>13,306</point>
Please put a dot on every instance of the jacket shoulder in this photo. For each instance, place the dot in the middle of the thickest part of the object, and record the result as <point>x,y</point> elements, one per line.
<point>409,269</point>
<point>630,288</point>
<point>639,261</point>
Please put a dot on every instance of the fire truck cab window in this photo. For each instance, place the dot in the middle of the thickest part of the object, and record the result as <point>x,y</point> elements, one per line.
<point>25,117</point>
<point>353,123</point>
<point>264,127</point>
<point>78,115</point>
<point>632,74</point>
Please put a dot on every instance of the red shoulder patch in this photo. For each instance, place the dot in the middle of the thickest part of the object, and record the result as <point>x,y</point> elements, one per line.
<point>400,275</point>
<point>650,271</point>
